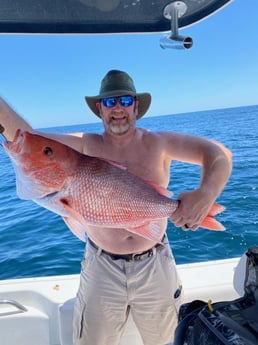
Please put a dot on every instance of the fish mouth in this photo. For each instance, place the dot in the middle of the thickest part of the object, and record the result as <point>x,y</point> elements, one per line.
<point>15,145</point>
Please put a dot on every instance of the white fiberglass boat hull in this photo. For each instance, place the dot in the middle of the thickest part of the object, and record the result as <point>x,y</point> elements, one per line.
<point>49,303</point>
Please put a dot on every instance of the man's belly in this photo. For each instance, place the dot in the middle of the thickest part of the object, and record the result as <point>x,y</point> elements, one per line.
<point>121,241</point>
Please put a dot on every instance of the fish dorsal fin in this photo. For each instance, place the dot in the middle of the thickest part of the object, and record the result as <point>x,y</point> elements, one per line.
<point>116,164</point>
<point>161,190</point>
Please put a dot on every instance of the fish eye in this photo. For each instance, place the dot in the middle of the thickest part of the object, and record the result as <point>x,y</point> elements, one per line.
<point>48,151</point>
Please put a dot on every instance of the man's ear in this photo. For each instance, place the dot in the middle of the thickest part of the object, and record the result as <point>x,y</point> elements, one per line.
<point>136,103</point>
<point>98,105</point>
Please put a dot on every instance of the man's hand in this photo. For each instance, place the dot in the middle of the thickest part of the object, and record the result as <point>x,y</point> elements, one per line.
<point>193,208</point>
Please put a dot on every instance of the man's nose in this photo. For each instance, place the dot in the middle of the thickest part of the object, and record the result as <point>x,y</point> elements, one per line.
<point>118,106</point>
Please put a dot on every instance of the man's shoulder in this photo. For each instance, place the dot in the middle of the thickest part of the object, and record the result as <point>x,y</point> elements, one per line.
<point>91,143</point>
<point>92,137</point>
<point>159,136</point>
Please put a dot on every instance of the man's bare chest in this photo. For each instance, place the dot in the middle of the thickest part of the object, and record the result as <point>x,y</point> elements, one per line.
<point>145,161</point>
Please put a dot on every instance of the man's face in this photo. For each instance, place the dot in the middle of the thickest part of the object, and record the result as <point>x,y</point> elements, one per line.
<point>118,113</point>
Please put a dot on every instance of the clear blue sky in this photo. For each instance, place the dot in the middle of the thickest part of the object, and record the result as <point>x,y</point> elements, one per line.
<point>45,78</point>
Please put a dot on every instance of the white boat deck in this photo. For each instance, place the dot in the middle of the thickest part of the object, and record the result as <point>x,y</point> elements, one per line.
<point>49,303</point>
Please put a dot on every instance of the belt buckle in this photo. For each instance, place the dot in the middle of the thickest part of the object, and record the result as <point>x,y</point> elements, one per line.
<point>139,256</point>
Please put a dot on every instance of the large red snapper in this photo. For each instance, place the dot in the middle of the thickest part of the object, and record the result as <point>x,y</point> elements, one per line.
<point>88,190</point>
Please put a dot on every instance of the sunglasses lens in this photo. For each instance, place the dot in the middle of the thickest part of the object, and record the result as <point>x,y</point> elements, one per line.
<point>125,101</point>
<point>109,102</point>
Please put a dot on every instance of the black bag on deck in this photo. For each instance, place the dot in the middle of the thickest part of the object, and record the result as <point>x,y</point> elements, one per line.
<point>223,323</point>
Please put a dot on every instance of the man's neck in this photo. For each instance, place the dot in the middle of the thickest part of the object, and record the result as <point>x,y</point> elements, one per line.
<point>123,140</point>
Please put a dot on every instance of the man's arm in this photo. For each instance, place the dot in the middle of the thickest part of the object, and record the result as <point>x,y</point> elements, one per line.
<point>11,121</point>
<point>216,162</point>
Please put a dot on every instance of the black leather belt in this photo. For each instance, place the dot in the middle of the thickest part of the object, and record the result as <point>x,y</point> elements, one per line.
<point>128,257</point>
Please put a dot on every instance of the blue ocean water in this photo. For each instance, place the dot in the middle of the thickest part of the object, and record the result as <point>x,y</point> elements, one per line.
<point>35,242</point>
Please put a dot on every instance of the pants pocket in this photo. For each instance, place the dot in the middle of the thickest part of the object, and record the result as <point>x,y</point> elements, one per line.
<point>79,309</point>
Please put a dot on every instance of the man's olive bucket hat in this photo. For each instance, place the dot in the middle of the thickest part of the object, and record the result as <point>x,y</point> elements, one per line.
<point>118,83</point>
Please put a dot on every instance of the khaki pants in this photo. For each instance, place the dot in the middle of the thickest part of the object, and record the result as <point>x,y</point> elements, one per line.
<point>111,289</point>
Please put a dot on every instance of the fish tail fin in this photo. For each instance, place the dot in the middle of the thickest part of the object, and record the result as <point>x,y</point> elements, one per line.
<point>216,209</point>
<point>209,222</point>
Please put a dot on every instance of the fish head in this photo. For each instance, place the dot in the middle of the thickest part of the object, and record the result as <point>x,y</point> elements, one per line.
<point>41,164</point>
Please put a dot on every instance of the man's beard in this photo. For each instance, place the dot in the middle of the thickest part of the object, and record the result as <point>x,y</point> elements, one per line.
<point>119,127</point>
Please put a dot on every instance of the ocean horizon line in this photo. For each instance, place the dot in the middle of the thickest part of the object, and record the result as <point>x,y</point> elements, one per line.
<point>96,123</point>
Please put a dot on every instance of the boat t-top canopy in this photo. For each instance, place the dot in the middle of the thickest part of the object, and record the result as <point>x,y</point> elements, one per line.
<point>100,16</point>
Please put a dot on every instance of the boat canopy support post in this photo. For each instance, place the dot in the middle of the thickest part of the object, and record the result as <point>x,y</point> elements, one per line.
<point>173,11</point>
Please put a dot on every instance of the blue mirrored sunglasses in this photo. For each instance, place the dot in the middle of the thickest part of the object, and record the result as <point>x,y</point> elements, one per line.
<point>125,101</point>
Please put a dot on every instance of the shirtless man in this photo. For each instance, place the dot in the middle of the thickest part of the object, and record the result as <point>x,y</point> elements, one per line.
<point>123,272</point>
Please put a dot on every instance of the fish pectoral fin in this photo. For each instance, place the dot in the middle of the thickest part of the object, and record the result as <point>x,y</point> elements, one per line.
<point>75,221</point>
<point>77,229</point>
<point>150,231</point>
